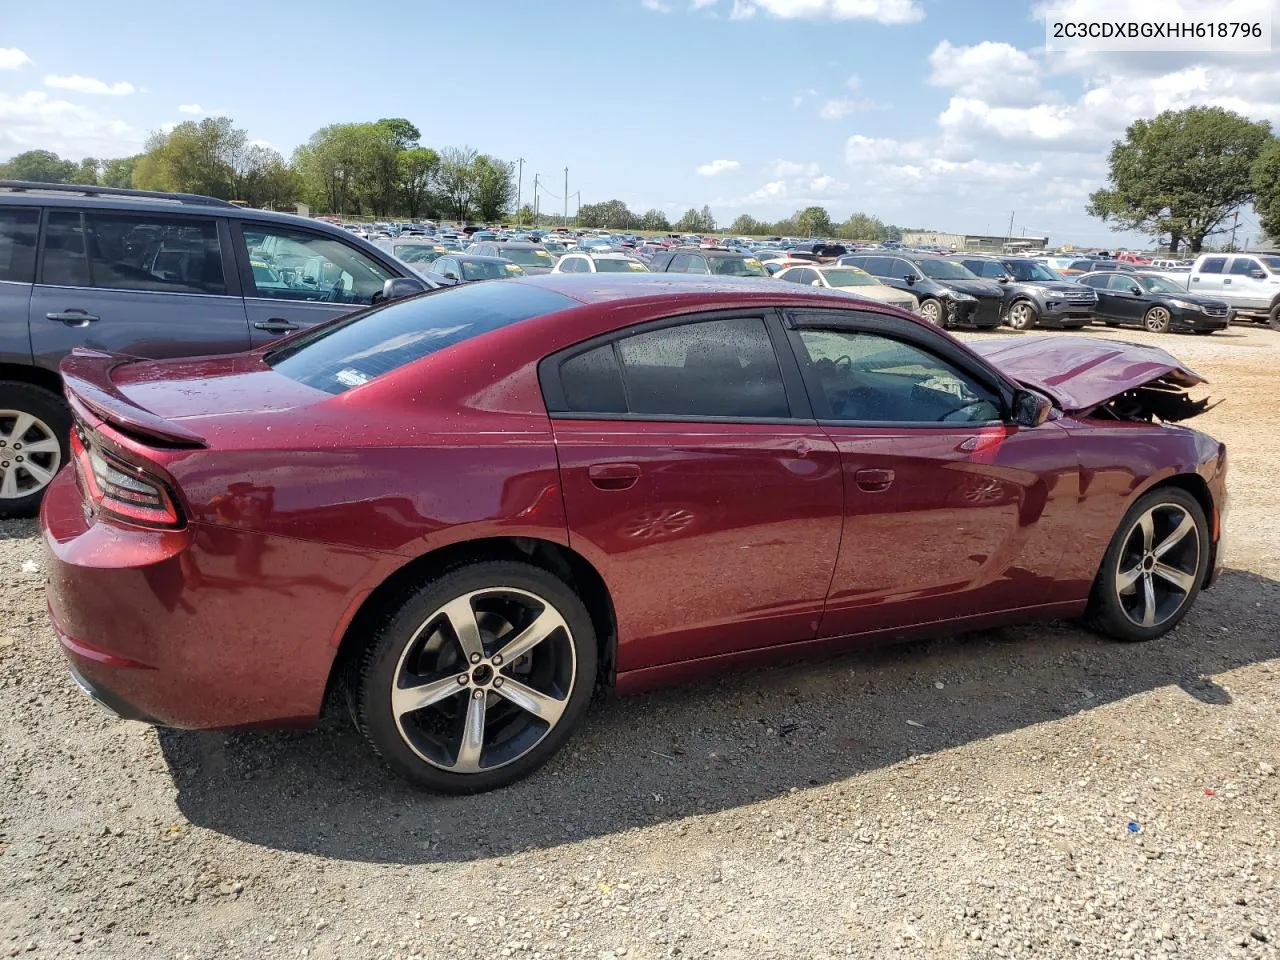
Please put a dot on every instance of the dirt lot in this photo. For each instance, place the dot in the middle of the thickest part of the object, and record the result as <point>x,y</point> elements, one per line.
<point>1024,792</point>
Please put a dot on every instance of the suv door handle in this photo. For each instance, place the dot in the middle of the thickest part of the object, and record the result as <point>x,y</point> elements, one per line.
<point>874,481</point>
<point>75,317</point>
<point>1225,281</point>
<point>613,476</point>
<point>276,325</point>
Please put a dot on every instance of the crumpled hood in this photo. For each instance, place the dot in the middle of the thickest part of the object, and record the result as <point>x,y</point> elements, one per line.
<point>975,288</point>
<point>1083,372</point>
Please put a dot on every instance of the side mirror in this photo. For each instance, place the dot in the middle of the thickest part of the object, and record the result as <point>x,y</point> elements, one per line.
<point>815,283</point>
<point>1258,274</point>
<point>1136,290</point>
<point>1003,280</point>
<point>1030,409</point>
<point>450,275</point>
<point>397,287</point>
<point>910,278</point>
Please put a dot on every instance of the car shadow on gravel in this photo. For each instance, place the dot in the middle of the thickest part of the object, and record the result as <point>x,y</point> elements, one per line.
<point>710,747</point>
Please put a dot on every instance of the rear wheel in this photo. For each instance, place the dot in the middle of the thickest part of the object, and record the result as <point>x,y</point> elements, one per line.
<point>35,427</point>
<point>931,310</point>
<point>1022,315</point>
<point>1274,319</point>
<point>1153,568</point>
<point>477,678</point>
<point>1156,320</point>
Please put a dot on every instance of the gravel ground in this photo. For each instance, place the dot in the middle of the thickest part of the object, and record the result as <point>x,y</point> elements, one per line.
<point>1023,792</point>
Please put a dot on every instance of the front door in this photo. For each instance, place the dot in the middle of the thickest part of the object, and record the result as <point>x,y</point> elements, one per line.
<point>294,278</point>
<point>949,510</point>
<point>695,483</point>
<point>148,285</point>
<point>1126,306</point>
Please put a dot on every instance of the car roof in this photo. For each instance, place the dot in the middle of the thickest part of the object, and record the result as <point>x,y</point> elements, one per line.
<point>478,258</point>
<point>600,255</point>
<point>590,288</point>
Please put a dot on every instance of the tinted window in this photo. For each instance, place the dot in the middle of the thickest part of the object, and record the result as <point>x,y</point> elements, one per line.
<point>1243,266</point>
<point>490,270</point>
<point>160,254</point>
<point>354,351</point>
<point>1097,281</point>
<point>986,268</point>
<point>869,378</point>
<point>1213,265</point>
<point>571,265</point>
<point>857,262</point>
<point>876,266</point>
<point>18,230</point>
<point>716,368</point>
<point>291,265</point>
<point>63,262</point>
<point>1120,282</point>
<point>1080,265</point>
<point>592,382</point>
<point>902,269</point>
<point>620,266</point>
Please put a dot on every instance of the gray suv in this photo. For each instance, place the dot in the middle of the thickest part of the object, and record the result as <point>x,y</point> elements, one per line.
<point>152,275</point>
<point>1033,294</point>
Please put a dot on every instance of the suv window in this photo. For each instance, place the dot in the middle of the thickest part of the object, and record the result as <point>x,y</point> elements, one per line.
<point>986,268</point>
<point>18,229</point>
<point>62,262</point>
<point>900,269</point>
<point>876,266</point>
<point>1243,266</point>
<point>869,378</point>
<point>129,251</point>
<point>1213,265</point>
<point>709,368</point>
<point>294,265</point>
<point>689,263</point>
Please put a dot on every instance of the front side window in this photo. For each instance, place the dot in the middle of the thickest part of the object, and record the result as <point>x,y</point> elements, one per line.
<point>711,368</point>
<point>18,229</point>
<point>1030,271</point>
<point>870,378</point>
<point>985,268</point>
<point>620,266</point>
<point>1213,265</point>
<point>527,257</point>
<point>490,270</point>
<point>946,270</point>
<point>161,254</point>
<point>1244,266</point>
<point>1118,281</point>
<point>293,265</point>
<point>1156,284</point>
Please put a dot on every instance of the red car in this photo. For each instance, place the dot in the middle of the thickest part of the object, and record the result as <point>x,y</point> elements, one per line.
<point>472,507</point>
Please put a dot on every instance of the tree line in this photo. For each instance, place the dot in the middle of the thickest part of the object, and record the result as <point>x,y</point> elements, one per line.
<point>1184,175</point>
<point>809,222</point>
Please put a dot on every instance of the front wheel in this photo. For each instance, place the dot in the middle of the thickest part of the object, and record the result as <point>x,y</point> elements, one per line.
<point>1022,315</point>
<point>477,678</point>
<point>932,311</point>
<point>35,428</point>
<point>1156,320</point>
<point>1153,568</point>
<point>1274,319</point>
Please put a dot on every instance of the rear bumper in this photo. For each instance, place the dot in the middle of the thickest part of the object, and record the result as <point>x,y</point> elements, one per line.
<point>201,628</point>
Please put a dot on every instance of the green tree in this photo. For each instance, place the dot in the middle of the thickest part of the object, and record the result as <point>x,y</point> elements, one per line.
<point>1266,189</point>
<point>331,166</point>
<point>404,134</point>
<point>814,222</point>
<point>611,214</point>
<point>456,179</point>
<point>495,187</point>
<point>418,167</point>
<point>194,157</point>
<point>1181,174</point>
<point>118,172</point>
<point>40,166</point>
<point>861,226</point>
<point>748,225</point>
<point>87,171</point>
<point>708,221</point>
<point>655,220</point>
<point>697,221</point>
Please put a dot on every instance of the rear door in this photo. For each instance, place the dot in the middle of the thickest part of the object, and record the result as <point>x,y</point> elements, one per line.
<point>950,511</point>
<point>141,283</point>
<point>1206,276</point>
<point>697,483</point>
<point>19,228</point>
<point>295,278</point>
<point>1099,282</point>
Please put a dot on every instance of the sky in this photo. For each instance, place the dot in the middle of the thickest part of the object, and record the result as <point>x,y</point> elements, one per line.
<point>943,114</point>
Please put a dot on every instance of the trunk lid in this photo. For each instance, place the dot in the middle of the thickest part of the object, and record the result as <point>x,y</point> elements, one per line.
<point>1082,373</point>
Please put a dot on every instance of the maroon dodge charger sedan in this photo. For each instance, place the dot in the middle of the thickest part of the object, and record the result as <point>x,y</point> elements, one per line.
<point>468,509</point>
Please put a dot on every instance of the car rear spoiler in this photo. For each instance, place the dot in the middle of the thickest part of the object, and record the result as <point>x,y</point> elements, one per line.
<point>86,378</point>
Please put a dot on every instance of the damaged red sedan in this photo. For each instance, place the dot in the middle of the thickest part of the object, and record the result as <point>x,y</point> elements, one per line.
<point>466,510</point>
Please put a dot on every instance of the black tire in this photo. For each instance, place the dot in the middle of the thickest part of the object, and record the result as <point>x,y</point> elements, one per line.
<point>1022,315</point>
<point>1109,612</point>
<point>1273,320</point>
<point>52,421</point>
<point>402,639</point>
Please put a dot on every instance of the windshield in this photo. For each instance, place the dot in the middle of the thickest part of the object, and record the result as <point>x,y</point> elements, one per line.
<point>946,270</point>
<point>620,266</point>
<point>1026,270</point>
<point>528,257</point>
<point>490,270</point>
<point>416,253</point>
<point>738,267</point>
<point>351,352</point>
<point>1271,263</point>
<point>849,277</point>
<point>1159,284</point>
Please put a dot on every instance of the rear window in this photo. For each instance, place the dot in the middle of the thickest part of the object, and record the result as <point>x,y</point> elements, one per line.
<point>354,351</point>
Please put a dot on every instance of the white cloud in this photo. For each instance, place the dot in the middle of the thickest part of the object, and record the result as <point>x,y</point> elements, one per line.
<point>168,126</point>
<point>79,84</point>
<point>716,167</point>
<point>880,11</point>
<point>193,108</point>
<point>996,72</point>
<point>843,106</point>
<point>801,96</point>
<point>700,4</point>
<point>34,120</point>
<point>789,169</point>
<point>11,58</point>
<point>657,5</point>
<point>774,190</point>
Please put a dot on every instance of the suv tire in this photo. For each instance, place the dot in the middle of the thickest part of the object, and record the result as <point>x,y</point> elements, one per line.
<point>35,429</point>
<point>1274,319</point>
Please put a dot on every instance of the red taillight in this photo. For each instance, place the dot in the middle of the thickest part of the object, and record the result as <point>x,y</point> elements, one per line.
<point>120,489</point>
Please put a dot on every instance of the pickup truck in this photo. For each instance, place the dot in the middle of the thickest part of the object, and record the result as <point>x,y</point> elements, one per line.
<point>1250,282</point>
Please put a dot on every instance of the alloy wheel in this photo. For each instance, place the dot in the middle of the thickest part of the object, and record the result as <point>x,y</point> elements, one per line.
<point>483,680</point>
<point>931,310</point>
<point>1022,316</point>
<point>1157,565</point>
<point>1156,320</point>
<point>29,454</point>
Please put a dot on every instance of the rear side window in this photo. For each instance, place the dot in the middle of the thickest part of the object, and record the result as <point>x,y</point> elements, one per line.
<point>593,383</point>
<point>18,228</point>
<point>161,254</point>
<point>1213,265</point>
<point>63,262</point>
<point>351,352</point>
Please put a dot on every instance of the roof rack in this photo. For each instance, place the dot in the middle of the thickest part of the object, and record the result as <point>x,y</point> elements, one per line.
<point>87,190</point>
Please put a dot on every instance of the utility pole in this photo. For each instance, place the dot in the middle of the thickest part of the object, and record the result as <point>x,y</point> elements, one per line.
<point>535,199</point>
<point>1234,224</point>
<point>519,185</point>
<point>1009,235</point>
<point>566,198</point>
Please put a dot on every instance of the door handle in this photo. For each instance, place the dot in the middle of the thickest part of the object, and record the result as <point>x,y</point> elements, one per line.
<point>75,317</point>
<point>1195,279</point>
<point>613,476</point>
<point>1225,281</point>
<point>873,481</point>
<point>276,325</point>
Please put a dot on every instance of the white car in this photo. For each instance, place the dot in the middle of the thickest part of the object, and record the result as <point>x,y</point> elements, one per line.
<point>598,262</point>
<point>851,280</point>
